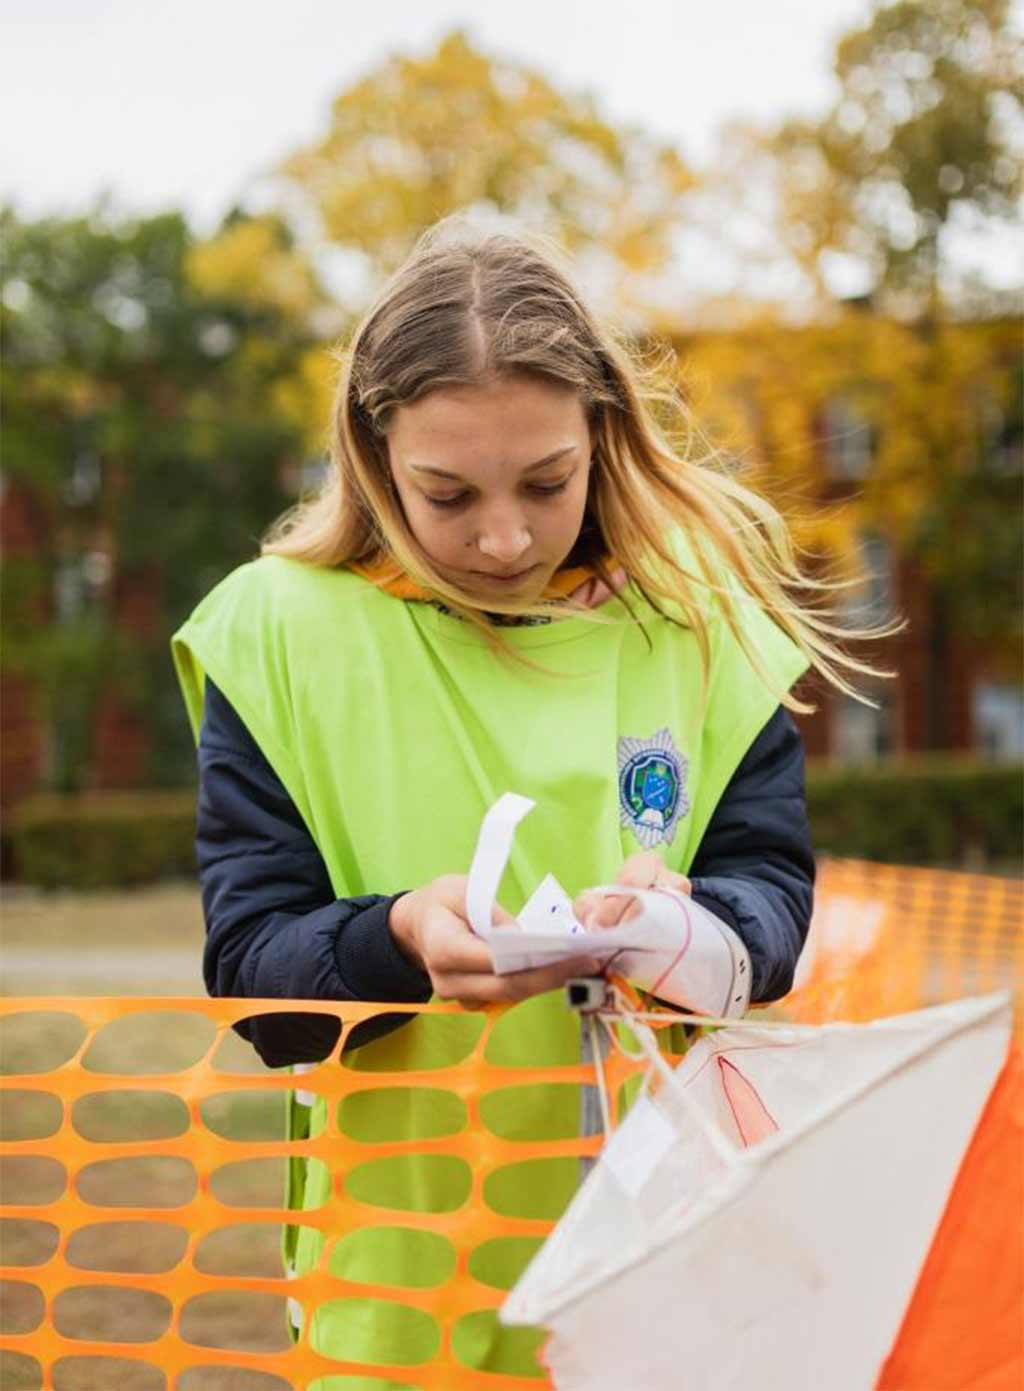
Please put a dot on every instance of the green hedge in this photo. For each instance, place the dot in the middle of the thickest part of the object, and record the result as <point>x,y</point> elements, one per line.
<point>103,840</point>
<point>921,812</point>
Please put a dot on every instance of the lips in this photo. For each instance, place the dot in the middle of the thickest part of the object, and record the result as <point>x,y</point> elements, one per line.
<point>505,578</point>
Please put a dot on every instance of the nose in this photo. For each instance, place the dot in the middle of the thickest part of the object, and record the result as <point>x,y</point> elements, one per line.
<point>504,538</point>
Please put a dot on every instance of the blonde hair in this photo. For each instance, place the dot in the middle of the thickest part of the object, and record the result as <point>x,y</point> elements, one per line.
<point>470,306</point>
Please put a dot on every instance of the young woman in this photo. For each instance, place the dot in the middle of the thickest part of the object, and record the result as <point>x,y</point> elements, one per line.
<point>516,577</point>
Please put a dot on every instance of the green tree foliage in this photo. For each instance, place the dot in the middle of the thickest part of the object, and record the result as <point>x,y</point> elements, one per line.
<point>145,440</point>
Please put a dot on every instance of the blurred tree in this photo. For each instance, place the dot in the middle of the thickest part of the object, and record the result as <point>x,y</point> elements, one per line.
<point>922,143</point>
<point>423,137</point>
<point>145,431</point>
<point>924,136</point>
<point>885,443</point>
<point>166,396</point>
<point>838,423</point>
<point>253,264</point>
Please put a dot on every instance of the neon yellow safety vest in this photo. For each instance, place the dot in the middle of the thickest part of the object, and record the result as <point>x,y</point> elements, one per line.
<point>394,728</point>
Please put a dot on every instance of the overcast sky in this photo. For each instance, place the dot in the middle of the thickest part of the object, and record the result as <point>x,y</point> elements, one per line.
<point>185,103</point>
<point>191,103</point>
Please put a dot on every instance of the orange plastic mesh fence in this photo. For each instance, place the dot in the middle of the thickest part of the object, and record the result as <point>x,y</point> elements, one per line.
<point>886,939</point>
<point>62,1177</point>
<point>143,1138</point>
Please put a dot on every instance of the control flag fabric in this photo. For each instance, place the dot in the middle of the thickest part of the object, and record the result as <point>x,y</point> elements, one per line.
<point>788,1256</point>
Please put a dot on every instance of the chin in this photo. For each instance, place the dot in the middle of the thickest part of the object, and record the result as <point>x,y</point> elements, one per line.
<point>529,590</point>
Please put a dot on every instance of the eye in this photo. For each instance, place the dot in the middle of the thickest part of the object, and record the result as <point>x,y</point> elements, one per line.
<point>549,489</point>
<point>442,502</point>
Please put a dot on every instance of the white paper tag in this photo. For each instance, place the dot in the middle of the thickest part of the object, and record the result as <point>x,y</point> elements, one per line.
<point>549,909</point>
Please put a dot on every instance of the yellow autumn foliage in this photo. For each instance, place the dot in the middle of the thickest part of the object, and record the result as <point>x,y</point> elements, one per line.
<point>251,263</point>
<point>305,398</point>
<point>762,395</point>
<point>422,137</point>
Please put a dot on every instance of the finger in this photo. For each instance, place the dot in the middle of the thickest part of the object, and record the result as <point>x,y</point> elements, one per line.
<point>450,947</point>
<point>671,880</point>
<point>586,906</point>
<point>591,906</point>
<point>583,905</point>
<point>640,871</point>
<point>452,888</point>
<point>473,991</point>
<point>451,891</point>
<point>476,991</point>
<point>645,870</point>
<point>542,978</point>
<point>606,910</point>
<point>624,908</point>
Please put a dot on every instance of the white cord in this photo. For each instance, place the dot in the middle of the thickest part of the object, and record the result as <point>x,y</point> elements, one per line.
<point>675,1017</point>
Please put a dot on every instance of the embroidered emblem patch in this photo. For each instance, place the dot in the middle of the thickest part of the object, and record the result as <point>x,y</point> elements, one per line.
<point>652,787</point>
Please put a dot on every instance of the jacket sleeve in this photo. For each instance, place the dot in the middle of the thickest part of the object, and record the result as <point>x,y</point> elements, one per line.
<point>274,927</point>
<point>755,867</point>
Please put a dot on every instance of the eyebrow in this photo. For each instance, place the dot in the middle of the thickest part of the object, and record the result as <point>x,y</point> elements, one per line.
<point>530,468</point>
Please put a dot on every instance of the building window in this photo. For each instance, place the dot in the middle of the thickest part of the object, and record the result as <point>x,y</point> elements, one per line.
<point>848,438</point>
<point>998,715</point>
<point>861,733</point>
<point>873,601</point>
<point>79,583</point>
<point>85,479</point>
<point>69,592</point>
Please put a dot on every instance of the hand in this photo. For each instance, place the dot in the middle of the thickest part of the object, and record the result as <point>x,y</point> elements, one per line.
<point>641,871</point>
<point>431,929</point>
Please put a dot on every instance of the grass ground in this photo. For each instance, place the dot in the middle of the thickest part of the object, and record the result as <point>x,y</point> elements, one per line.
<point>145,942</point>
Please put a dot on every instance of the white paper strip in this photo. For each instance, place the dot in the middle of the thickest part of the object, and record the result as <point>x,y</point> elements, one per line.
<point>493,847</point>
<point>304,1098</point>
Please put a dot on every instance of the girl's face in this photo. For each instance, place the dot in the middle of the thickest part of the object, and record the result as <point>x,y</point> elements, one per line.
<point>493,481</point>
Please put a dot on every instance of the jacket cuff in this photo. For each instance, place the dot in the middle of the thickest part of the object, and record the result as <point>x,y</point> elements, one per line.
<point>733,915</point>
<point>759,925</point>
<point>370,962</point>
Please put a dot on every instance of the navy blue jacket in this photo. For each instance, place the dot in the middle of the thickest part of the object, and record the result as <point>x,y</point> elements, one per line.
<point>276,930</point>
